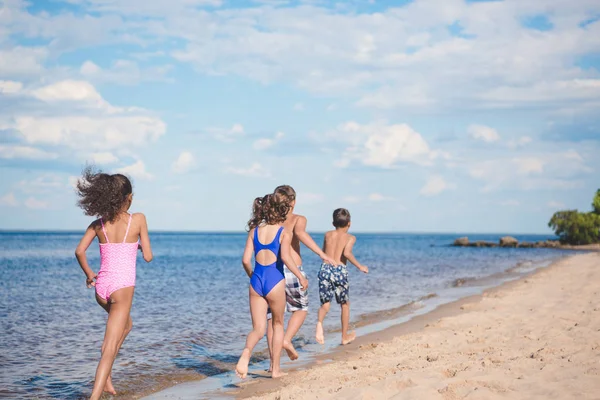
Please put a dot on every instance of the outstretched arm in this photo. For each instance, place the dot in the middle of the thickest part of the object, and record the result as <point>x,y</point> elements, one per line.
<point>304,237</point>
<point>145,239</point>
<point>247,257</point>
<point>350,256</point>
<point>84,243</point>
<point>286,257</point>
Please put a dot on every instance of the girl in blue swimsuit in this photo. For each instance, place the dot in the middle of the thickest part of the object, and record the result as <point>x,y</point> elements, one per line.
<point>271,246</point>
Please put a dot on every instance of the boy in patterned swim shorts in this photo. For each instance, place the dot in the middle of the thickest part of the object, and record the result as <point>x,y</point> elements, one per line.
<point>333,278</point>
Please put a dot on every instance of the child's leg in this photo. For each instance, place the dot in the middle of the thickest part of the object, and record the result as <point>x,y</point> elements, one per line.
<point>276,299</point>
<point>342,290</point>
<point>270,342</point>
<point>258,311</point>
<point>118,318</point>
<point>346,337</point>
<point>294,325</point>
<point>325,294</point>
<point>108,387</point>
<point>320,335</point>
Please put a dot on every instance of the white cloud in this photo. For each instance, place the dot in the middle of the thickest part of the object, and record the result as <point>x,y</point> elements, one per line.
<point>43,184</point>
<point>123,72</point>
<point>85,120</point>
<point>8,200</point>
<point>520,142</point>
<point>380,145</point>
<point>25,152</point>
<point>378,197</point>
<point>435,185</point>
<point>298,107</point>
<point>399,56</point>
<point>104,158</point>
<point>35,204</point>
<point>136,170</point>
<point>265,143</point>
<point>22,61</point>
<point>69,90</point>
<point>228,135</point>
<point>255,171</point>
<point>482,132</point>
<point>184,163</point>
<point>10,87</point>
<point>559,170</point>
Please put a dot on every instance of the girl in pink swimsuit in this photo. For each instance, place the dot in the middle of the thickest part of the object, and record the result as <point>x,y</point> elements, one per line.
<point>119,234</point>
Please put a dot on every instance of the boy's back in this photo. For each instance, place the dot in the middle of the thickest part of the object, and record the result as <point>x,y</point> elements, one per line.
<point>335,243</point>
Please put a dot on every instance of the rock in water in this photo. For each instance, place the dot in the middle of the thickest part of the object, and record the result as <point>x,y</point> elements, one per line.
<point>508,241</point>
<point>463,241</point>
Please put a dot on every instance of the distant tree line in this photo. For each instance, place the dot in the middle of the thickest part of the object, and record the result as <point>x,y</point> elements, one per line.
<point>574,227</point>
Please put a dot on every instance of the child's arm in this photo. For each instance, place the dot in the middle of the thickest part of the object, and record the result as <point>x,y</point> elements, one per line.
<point>304,237</point>
<point>84,243</point>
<point>247,257</point>
<point>288,260</point>
<point>350,257</point>
<point>145,239</point>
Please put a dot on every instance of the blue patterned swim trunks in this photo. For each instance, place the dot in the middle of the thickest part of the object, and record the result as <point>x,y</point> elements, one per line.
<point>333,279</point>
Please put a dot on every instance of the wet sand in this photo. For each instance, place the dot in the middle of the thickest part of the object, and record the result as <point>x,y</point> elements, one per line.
<point>535,338</point>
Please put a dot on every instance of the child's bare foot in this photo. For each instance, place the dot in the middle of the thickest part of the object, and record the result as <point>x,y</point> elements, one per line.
<point>349,338</point>
<point>320,337</point>
<point>241,369</point>
<point>290,350</point>
<point>278,374</point>
<point>109,388</point>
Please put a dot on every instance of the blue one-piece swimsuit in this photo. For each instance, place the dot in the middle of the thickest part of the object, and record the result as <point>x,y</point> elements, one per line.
<point>265,277</point>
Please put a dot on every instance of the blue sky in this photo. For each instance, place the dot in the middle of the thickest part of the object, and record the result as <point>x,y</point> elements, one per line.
<point>425,115</point>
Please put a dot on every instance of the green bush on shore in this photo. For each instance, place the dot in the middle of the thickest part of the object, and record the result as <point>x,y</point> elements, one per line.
<point>576,228</point>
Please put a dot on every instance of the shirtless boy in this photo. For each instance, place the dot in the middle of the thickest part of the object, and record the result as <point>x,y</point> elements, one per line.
<point>333,277</point>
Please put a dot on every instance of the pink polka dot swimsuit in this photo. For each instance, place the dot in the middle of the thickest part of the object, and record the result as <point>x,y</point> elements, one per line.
<point>117,265</point>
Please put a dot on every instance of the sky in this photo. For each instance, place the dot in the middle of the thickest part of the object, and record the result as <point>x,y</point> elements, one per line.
<point>417,116</point>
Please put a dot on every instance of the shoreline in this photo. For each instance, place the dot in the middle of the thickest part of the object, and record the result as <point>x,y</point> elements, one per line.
<point>543,354</point>
<point>413,321</point>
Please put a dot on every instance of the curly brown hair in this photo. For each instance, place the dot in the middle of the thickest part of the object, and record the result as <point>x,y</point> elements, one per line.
<point>102,195</point>
<point>271,209</point>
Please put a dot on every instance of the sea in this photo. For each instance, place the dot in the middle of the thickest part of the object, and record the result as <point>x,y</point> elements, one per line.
<point>190,310</point>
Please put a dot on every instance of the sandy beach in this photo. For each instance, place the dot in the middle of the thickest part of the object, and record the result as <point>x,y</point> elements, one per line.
<point>535,338</point>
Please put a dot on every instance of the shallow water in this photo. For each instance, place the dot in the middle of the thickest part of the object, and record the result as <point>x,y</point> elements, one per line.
<point>190,310</point>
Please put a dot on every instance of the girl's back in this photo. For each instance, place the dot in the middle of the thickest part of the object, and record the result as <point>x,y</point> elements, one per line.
<point>266,243</point>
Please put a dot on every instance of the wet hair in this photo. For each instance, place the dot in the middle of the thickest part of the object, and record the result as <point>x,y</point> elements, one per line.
<point>102,195</point>
<point>271,209</point>
<point>341,218</point>
<point>286,190</point>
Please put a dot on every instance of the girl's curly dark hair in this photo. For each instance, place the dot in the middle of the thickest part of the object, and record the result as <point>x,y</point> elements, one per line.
<point>271,209</point>
<point>102,195</point>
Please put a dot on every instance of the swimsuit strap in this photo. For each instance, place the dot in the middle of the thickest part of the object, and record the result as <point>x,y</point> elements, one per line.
<point>128,225</point>
<point>273,246</point>
<point>275,241</point>
<point>104,230</point>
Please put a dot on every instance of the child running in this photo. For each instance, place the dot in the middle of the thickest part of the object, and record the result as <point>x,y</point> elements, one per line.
<point>296,297</point>
<point>333,278</point>
<point>270,243</point>
<point>109,198</point>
